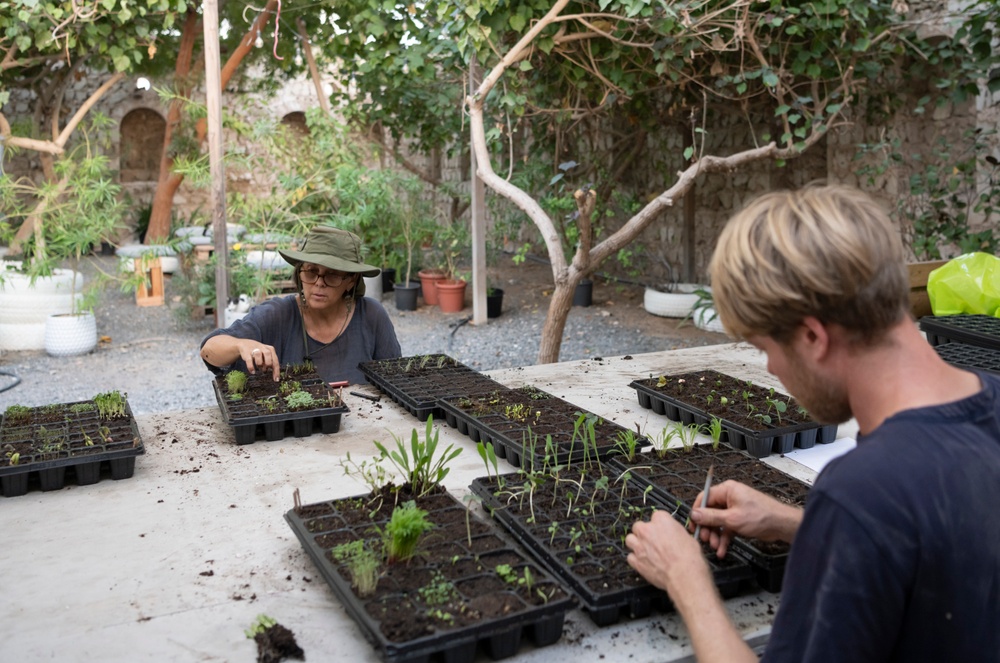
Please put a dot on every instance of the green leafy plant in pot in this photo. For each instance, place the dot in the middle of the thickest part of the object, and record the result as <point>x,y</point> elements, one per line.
<point>70,217</point>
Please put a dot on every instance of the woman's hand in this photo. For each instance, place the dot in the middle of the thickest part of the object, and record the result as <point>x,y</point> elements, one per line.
<point>257,355</point>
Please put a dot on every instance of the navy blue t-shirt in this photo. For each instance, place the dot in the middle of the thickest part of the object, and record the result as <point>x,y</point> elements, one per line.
<point>898,554</point>
<point>278,322</point>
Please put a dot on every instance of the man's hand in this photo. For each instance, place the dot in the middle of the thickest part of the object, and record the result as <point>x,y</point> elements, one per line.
<point>665,554</point>
<point>736,509</point>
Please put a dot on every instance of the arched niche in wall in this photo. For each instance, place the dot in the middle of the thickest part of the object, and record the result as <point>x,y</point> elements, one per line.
<point>141,145</point>
<point>296,123</point>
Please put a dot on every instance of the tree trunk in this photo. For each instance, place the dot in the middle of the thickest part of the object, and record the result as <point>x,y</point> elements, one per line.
<point>555,319</point>
<point>168,183</point>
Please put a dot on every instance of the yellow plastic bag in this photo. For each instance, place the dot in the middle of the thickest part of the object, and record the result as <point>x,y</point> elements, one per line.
<point>969,283</point>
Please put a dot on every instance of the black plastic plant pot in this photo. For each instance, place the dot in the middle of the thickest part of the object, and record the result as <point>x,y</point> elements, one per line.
<point>388,278</point>
<point>418,383</point>
<point>494,303</point>
<point>979,330</point>
<point>462,591</point>
<point>255,417</point>
<point>406,295</point>
<point>580,536</point>
<point>750,424</point>
<point>583,295</point>
<point>971,357</point>
<point>48,440</point>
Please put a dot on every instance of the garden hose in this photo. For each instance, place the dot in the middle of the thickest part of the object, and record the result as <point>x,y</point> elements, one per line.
<point>454,328</point>
<point>16,382</point>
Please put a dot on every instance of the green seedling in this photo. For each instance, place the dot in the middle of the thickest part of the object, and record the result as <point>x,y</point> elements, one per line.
<point>362,564</point>
<point>110,404</point>
<point>715,430</point>
<point>236,382</point>
<point>403,531</point>
<point>16,414</point>
<point>439,591</point>
<point>259,625</point>
<point>299,400</point>
<point>80,408</point>
<point>289,387</point>
<point>422,471</point>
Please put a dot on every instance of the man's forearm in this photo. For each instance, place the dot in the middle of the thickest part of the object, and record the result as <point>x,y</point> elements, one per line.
<point>713,635</point>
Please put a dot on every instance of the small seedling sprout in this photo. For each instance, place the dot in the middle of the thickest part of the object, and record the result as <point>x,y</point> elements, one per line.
<point>236,382</point>
<point>407,523</point>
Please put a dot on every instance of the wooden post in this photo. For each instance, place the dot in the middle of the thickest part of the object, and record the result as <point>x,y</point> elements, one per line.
<point>920,301</point>
<point>217,192</point>
<point>150,293</point>
<point>478,223</point>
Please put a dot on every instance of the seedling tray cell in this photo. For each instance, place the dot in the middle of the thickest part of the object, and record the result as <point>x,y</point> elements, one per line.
<point>63,441</point>
<point>971,357</point>
<point>478,609</point>
<point>676,477</point>
<point>749,422</point>
<point>262,414</point>
<point>979,330</point>
<point>417,383</point>
<point>519,423</point>
<point>583,544</point>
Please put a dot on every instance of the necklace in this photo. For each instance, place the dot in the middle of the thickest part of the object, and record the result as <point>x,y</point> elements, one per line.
<point>305,339</point>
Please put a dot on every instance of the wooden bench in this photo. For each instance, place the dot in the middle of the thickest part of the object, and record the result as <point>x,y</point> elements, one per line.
<point>920,302</point>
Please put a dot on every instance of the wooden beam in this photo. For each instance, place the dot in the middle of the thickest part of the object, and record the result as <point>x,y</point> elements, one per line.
<point>217,192</point>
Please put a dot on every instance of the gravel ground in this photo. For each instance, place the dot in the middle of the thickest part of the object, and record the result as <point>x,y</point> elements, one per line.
<point>151,353</point>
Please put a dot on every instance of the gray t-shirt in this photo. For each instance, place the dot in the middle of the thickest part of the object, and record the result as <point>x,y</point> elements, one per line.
<point>278,322</point>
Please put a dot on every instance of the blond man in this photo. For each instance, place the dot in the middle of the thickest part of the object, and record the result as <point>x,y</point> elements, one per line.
<point>896,556</point>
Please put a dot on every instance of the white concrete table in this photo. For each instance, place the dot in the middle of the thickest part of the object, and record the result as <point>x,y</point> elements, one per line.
<point>174,563</point>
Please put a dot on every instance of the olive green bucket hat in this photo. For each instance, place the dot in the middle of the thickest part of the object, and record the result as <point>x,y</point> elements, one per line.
<point>334,249</point>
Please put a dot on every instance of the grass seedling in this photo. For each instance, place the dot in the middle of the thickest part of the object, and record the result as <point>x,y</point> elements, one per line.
<point>236,382</point>
<point>715,430</point>
<point>422,471</point>
<point>403,531</point>
<point>110,404</point>
<point>663,441</point>
<point>627,443</point>
<point>687,434</point>
<point>362,564</point>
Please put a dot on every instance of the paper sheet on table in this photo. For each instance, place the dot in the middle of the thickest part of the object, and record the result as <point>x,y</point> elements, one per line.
<point>817,457</point>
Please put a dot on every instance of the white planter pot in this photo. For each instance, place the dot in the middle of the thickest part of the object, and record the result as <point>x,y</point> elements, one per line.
<point>373,286</point>
<point>25,307</point>
<point>127,254</point>
<point>67,335</point>
<point>707,319</point>
<point>675,304</point>
<point>267,260</point>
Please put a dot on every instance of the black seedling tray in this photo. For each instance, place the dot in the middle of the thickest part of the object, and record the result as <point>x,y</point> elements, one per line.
<point>417,383</point>
<point>111,455</point>
<point>279,425</point>
<point>677,476</point>
<point>522,442</point>
<point>972,357</point>
<point>598,571</point>
<point>979,330</point>
<point>465,557</point>
<point>758,443</point>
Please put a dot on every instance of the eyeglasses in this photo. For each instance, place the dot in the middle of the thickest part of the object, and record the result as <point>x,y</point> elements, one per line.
<point>331,279</point>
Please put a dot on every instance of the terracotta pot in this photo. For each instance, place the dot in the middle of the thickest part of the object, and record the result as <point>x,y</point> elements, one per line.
<point>428,281</point>
<point>451,295</point>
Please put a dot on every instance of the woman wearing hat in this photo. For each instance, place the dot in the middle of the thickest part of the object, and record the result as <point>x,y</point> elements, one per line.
<point>329,322</point>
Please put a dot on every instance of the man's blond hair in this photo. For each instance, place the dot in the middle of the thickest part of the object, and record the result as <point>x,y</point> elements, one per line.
<point>829,252</point>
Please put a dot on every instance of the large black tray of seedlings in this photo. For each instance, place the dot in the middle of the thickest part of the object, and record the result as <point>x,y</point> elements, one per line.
<point>755,418</point>
<point>527,425</point>
<point>973,357</point>
<point>419,382</point>
<point>575,522</point>
<point>258,408</point>
<point>677,475</point>
<point>979,330</point>
<point>90,439</point>
<point>465,587</point>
